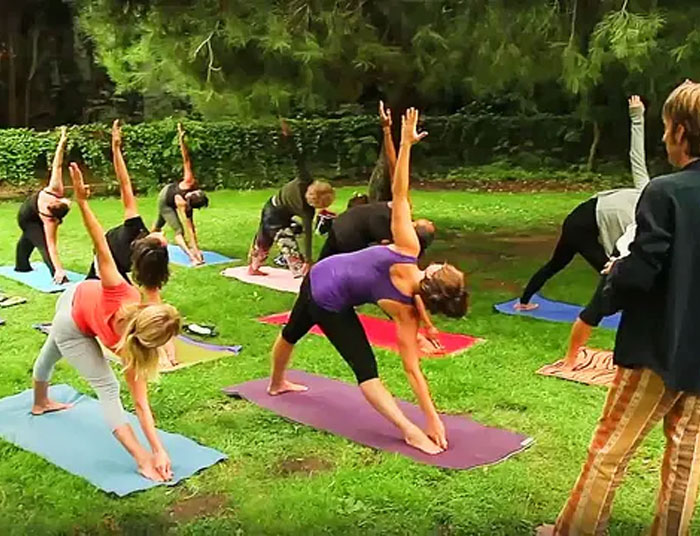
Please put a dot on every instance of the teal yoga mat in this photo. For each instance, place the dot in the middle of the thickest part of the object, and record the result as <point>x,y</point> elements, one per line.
<point>40,278</point>
<point>177,256</point>
<point>79,441</point>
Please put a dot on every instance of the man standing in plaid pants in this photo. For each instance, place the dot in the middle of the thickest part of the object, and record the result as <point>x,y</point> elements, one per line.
<point>658,344</point>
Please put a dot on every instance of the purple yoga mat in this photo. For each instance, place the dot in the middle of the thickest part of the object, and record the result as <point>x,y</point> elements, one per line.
<point>340,408</point>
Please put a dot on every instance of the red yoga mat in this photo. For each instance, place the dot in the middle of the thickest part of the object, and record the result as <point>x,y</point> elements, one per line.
<point>382,333</point>
<point>339,408</point>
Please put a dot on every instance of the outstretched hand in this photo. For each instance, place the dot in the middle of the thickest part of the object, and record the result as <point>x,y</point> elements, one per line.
<point>636,102</point>
<point>180,132</point>
<point>384,115</point>
<point>409,128</point>
<point>82,192</point>
<point>64,135</point>
<point>116,133</point>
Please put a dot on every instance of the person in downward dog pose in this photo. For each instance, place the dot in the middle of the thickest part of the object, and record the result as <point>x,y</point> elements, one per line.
<point>300,197</point>
<point>594,226</point>
<point>39,217</point>
<point>388,276</point>
<point>176,204</point>
<point>109,311</point>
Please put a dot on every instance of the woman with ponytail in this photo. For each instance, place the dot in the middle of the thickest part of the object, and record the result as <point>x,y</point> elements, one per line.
<point>109,311</point>
<point>388,276</point>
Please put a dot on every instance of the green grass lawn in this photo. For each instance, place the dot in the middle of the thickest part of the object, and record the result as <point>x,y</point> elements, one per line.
<point>284,478</point>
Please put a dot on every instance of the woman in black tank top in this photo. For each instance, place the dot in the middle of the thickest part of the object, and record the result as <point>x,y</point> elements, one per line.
<point>39,217</point>
<point>184,196</point>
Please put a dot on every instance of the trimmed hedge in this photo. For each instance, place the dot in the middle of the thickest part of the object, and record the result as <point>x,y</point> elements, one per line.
<point>234,154</point>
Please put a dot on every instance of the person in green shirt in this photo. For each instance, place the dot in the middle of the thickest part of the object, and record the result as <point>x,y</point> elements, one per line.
<point>300,197</point>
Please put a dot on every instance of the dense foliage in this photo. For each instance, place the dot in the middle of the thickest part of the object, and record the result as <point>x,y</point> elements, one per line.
<point>239,154</point>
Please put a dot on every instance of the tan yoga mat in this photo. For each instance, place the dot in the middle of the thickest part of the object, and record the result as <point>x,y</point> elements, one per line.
<point>593,367</point>
<point>188,351</point>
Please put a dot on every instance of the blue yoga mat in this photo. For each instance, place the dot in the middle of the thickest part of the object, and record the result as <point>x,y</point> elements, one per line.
<point>553,311</point>
<point>40,277</point>
<point>179,257</point>
<point>79,441</point>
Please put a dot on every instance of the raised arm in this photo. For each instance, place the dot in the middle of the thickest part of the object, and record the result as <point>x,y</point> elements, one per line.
<point>640,175</point>
<point>56,180</point>
<point>106,267</point>
<point>131,209</point>
<point>188,174</point>
<point>388,140</point>
<point>402,231</point>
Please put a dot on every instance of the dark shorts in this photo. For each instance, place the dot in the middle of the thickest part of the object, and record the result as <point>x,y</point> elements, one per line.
<point>343,329</point>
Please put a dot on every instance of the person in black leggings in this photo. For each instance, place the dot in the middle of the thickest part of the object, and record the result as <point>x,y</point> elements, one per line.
<point>39,217</point>
<point>579,234</point>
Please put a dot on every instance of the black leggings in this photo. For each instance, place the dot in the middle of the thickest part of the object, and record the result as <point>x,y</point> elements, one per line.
<point>32,237</point>
<point>343,329</point>
<point>579,234</point>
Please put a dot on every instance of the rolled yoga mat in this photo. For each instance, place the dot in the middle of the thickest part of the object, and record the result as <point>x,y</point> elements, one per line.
<point>554,311</point>
<point>340,408</point>
<point>188,351</point>
<point>593,367</point>
<point>382,333</point>
<point>79,441</point>
<point>40,278</point>
<point>276,278</point>
<point>179,257</point>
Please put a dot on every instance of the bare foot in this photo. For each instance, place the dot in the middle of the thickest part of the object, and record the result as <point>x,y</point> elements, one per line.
<point>49,407</point>
<point>252,271</point>
<point>544,530</point>
<point>286,387</point>
<point>525,306</point>
<point>418,440</point>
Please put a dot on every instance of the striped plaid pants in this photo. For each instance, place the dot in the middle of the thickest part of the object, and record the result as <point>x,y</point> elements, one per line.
<point>636,402</point>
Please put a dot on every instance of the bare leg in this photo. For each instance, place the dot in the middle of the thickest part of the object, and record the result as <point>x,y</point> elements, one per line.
<point>281,355</point>
<point>42,402</point>
<point>381,400</point>
<point>580,333</point>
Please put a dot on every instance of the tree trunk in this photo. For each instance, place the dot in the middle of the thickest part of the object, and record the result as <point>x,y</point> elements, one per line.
<point>32,71</point>
<point>594,146</point>
<point>12,23</point>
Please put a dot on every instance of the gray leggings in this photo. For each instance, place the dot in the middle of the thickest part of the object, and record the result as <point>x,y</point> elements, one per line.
<point>83,353</point>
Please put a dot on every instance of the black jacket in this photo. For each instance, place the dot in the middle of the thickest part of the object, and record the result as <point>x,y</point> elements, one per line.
<point>658,285</point>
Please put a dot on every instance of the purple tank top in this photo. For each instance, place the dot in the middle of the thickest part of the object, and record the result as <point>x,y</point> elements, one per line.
<point>352,279</point>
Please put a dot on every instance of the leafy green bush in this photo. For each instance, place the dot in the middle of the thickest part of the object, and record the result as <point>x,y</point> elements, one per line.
<point>234,154</point>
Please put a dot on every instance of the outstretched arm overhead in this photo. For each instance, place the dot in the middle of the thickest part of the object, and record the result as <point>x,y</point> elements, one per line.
<point>188,175</point>
<point>388,140</point>
<point>640,175</point>
<point>131,209</point>
<point>106,267</point>
<point>402,230</point>
<point>56,180</point>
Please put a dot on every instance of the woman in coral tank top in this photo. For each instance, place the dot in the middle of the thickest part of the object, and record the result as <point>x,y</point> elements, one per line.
<point>109,310</point>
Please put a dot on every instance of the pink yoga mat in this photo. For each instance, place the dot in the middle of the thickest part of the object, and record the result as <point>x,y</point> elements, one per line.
<point>277,278</point>
<point>339,408</point>
<point>382,333</point>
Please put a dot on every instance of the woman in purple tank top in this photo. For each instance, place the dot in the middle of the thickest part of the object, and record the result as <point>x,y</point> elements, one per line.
<point>388,276</point>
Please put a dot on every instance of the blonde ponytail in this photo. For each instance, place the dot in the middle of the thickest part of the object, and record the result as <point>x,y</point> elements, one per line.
<point>148,328</point>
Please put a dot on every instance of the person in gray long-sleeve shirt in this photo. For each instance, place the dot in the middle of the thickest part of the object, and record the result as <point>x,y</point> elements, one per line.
<point>594,226</point>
